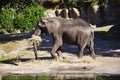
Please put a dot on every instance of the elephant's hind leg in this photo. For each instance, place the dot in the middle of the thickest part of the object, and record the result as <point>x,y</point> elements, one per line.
<point>82,44</point>
<point>59,52</point>
<point>91,49</point>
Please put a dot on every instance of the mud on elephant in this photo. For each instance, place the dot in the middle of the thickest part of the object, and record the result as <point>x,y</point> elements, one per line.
<point>75,32</point>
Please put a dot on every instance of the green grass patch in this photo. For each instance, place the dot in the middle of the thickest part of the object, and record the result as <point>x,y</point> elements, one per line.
<point>103,32</point>
<point>9,46</point>
<point>103,29</point>
<point>2,58</point>
<point>13,57</point>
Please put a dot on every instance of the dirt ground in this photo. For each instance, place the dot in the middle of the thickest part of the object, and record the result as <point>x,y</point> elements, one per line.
<point>106,62</point>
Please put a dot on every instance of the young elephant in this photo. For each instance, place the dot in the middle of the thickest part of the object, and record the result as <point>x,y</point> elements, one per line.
<point>76,32</point>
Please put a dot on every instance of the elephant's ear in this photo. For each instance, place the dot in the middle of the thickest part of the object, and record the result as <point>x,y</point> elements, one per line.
<point>42,22</point>
<point>48,24</point>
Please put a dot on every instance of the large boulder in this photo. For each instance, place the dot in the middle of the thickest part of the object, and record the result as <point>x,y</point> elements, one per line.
<point>64,13</point>
<point>73,13</point>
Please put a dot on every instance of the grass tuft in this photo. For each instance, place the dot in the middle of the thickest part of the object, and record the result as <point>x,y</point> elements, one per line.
<point>9,46</point>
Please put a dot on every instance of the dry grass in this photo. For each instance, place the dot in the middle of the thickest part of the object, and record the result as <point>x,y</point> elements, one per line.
<point>18,55</point>
<point>14,49</point>
<point>9,46</point>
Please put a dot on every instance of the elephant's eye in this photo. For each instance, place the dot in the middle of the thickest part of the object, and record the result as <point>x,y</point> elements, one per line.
<point>39,24</point>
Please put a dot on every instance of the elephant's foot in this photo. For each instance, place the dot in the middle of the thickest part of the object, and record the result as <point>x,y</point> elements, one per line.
<point>60,58</point>
<point>93,56</point>
<point>59,53</point>
<point>80,56</point>
<point>54,56</point>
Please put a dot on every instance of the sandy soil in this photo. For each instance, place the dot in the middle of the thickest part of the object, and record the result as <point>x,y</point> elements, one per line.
<point>107,61</point>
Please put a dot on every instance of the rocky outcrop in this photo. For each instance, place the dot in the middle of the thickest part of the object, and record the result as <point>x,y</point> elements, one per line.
<point>67,13</point>
<point>99,15</point>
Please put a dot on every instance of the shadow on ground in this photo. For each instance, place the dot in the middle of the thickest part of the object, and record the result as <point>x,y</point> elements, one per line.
<point>104,45</point>
<point>14,60</point>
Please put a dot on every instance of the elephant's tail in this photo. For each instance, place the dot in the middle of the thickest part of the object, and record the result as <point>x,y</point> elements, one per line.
<point>92,35</point>
<point>93,26</point>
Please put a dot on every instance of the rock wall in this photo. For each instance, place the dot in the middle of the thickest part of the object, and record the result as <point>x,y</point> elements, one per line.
<point>99,15</point>
<point>109,15</point>
<point>112,13</point>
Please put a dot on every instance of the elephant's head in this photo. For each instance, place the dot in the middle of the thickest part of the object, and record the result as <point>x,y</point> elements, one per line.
<point>46,26</point>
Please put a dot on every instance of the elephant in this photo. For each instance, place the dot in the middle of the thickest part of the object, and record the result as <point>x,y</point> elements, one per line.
<point>75,32</point>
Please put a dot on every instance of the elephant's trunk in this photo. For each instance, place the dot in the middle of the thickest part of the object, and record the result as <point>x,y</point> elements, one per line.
<point>35,49</point>
<point>36,40</point>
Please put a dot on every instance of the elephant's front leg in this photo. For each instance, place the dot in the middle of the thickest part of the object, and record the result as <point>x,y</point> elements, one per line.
<point>56,46</point>
<point>59,52</point>
<point>53,51</point>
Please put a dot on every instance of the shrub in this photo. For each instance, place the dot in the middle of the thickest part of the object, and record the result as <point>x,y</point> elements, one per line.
<point>7,16</point>
<point>12,18</point>
<point>28,18</point>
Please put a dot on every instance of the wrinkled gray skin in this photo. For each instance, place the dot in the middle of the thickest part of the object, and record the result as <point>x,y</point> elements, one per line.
<point>76,32</point>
